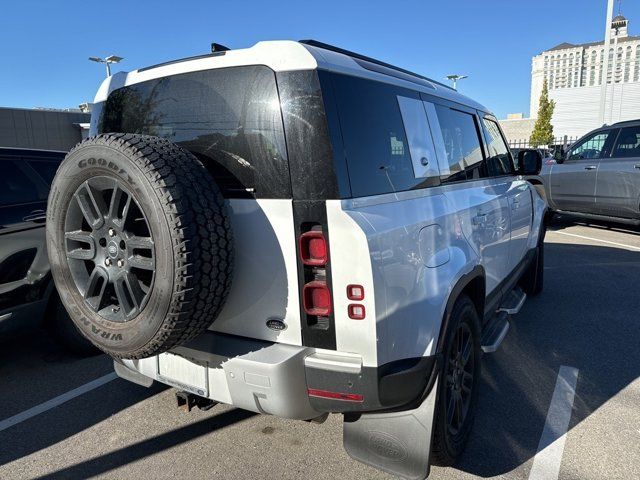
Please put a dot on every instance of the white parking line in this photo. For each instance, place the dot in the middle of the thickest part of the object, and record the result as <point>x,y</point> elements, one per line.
<point>595,239</point>
<point>54,402</point>
<point>546,464</point>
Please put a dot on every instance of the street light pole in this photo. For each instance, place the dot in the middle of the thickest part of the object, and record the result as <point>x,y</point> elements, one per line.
<point>107,61</point>
<point>605,63</point>
<point>454,79</point>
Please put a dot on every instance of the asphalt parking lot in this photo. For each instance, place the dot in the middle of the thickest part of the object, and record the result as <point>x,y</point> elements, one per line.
<point>587,320</point>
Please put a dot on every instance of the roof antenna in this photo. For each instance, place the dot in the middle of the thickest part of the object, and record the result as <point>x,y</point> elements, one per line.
<point>217,47</point>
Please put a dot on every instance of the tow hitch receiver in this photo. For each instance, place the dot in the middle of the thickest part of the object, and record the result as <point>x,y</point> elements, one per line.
<point>398,442</point>
<point>186,401</point>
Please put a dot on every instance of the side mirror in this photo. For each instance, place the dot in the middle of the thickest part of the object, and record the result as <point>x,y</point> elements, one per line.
<point>529,162</point>
<point>559,156</point>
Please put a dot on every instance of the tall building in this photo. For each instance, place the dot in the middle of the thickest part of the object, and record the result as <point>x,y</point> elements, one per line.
<point>574,75</point>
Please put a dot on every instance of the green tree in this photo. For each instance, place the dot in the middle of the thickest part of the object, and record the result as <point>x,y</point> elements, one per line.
<point>543,130</point>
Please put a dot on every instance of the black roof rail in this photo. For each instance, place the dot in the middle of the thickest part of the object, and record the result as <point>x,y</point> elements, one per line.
<point>333,48</point>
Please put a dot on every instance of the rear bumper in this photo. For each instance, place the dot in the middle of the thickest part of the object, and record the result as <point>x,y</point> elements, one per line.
<point>284,380</point>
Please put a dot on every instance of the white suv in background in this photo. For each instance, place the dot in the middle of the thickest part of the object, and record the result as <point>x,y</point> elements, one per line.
<point>297,230</point>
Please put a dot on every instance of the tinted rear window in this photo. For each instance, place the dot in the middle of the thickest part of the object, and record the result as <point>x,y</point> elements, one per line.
<point>230,117</point>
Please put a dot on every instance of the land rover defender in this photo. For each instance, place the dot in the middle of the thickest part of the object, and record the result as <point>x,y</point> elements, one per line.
<point>296,230</point>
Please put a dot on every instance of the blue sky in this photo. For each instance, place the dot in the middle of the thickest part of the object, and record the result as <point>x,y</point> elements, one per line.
<point>44,44</point>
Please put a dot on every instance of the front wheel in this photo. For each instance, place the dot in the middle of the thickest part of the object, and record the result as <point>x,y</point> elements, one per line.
<point>458,394</point>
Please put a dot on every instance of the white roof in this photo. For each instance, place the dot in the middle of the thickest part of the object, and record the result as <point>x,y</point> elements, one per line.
<point>280,56</point>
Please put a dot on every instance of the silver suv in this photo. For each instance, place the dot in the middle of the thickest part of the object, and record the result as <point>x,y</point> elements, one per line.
<point>599,176</point>
<point>297,230</point>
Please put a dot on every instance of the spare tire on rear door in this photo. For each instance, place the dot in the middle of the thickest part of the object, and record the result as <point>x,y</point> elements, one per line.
<point>139,242</point>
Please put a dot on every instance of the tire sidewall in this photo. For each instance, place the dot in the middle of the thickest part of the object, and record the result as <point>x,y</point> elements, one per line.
<point>80,165</point>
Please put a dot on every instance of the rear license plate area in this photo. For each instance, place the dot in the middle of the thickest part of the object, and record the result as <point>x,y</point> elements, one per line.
<point>183,374</point>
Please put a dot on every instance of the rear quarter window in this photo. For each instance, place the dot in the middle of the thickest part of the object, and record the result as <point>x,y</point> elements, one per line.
<point>375,142</point>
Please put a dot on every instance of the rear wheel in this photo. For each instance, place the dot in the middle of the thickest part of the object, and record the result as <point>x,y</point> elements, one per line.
<point>458,388</point>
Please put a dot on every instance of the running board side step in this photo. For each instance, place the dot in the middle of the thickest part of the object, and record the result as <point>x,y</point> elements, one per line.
<point>513,302</point>
<point>398,443</point>
<point>494,332</point>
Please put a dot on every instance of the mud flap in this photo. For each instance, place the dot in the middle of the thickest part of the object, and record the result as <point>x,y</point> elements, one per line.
<point>398,443</point>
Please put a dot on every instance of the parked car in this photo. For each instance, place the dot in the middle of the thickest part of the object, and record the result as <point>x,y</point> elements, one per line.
<point>27,293</point>
<point>599,176</point>
<point>298,230</point>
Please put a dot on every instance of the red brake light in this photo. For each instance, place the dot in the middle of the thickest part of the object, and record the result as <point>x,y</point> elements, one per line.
<point>349,397</point>
<point>313,248</point>
<point>356,311</point>
<point>317,298</point>
<point>355,292</point>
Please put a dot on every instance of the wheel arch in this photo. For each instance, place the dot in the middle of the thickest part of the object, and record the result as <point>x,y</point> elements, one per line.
<point>471,284</point>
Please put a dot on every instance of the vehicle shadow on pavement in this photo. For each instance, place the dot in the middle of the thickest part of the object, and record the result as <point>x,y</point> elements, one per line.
<point>587,318</point>
<point>34,370</point>
<point>563,221</point>
<point>148,447</point>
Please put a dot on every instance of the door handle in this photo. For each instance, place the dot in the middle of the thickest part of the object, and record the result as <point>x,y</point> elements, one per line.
<point>591,167</point>
<point>37,216</point>
<point>637,165</point>
<point>515,204</point>
<point>479,219</point>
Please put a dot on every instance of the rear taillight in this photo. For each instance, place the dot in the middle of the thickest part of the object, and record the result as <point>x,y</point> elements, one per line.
<point>317,298</point>
<point>316,291</point>
<point>313,248</point>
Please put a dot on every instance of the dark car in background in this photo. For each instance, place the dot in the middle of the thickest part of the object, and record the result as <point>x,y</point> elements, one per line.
<point>27,294</point>
<point>599,176</point>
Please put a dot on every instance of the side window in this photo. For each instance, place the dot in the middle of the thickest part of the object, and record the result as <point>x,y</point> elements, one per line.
<point>15,185</point>
<point>590,148</point>
<point>499,161</point>
<point>461,143</point>
<point>45,169</point>
<point>375,143</point>
<point>416,126</point>
<point>628,144</point>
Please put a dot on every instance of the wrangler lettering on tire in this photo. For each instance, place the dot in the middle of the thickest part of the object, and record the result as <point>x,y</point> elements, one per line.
<point>140,243</point>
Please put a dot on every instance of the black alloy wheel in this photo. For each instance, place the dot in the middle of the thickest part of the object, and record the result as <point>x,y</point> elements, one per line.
<point>109,248</point>
<point>459,379</point>
<point>458,385</point>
